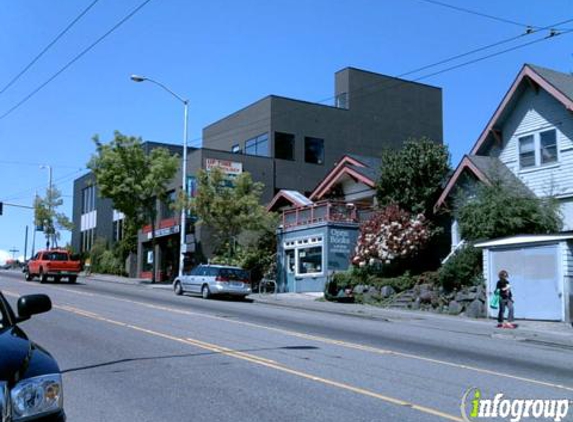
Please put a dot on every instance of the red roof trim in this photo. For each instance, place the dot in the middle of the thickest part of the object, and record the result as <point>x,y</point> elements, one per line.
<point>280,194</point>
<point>317,194</point>
<point>334,173</point>
<point>466,163</point>
<point>526,71</point>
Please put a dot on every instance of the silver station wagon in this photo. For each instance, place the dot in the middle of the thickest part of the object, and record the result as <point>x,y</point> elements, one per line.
<point>208,280</point>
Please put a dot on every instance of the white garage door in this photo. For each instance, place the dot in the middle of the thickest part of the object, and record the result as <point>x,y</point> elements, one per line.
<point>535,280</point>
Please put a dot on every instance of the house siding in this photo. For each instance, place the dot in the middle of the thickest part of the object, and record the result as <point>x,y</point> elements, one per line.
<point>535,112</point>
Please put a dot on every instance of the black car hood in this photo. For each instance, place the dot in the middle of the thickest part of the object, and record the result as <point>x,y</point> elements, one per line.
<point>21,358</point>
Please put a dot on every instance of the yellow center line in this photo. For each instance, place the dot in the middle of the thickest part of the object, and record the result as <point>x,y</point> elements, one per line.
<point>266,363</point>
<point>341,343</point>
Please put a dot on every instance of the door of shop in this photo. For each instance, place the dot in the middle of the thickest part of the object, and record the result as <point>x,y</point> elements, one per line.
<point>289,266</point>
<point>535,278</point>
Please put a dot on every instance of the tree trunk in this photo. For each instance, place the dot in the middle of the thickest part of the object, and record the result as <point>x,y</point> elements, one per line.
<point>154,265</point>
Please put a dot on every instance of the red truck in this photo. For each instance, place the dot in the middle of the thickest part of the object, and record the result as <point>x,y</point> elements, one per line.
<point>54,263</point>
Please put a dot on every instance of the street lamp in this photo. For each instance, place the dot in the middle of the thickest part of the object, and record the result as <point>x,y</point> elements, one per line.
<point>49,200</point>
<point>183,244</point>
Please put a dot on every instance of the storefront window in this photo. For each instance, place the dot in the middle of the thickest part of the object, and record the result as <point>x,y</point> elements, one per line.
<point>310,260</point>
<point>147,264</point>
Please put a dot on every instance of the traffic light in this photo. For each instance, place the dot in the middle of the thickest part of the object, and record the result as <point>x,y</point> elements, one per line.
<point>1,207</point>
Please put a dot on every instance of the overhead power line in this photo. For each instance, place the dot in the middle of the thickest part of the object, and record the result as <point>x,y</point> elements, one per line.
<point>35,164</point>
<point>46,48</point>
<point>75,59</point>
<point>68,177</point>
<point>393,84</point>
<point>483,15</point>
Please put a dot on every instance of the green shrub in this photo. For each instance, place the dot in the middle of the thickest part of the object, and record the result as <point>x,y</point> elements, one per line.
<point>110,264</point>
<point>400,283</point>
<point>106,261</point>
<point>464,268</point>
<point>337,284</point>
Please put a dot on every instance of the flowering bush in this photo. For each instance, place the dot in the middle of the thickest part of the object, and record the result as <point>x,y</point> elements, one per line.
<point>388,235</point>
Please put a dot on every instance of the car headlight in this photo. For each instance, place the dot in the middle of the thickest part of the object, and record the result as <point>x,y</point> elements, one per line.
<point>36,396</point>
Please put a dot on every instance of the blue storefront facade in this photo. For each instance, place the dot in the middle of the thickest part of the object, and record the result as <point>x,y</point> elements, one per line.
<point>313,243</point>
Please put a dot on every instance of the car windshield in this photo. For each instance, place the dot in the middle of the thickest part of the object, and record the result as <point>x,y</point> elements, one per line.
<point>234,274</point>
<point>57,256</point>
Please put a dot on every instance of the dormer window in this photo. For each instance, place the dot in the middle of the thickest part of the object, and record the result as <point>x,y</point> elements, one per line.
<point>538,149</point>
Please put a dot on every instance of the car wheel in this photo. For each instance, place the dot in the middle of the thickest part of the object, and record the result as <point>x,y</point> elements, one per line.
<point>43,277</point>
<point>72,279</point>
<point>205,292</point>
<point>178,289</point>
<point>28,276</point>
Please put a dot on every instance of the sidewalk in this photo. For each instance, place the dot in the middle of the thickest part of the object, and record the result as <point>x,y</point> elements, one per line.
<point>110,278</point>
<point>534,332</point>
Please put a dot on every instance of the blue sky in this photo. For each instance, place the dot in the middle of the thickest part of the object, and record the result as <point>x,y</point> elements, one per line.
<point>225,54</point>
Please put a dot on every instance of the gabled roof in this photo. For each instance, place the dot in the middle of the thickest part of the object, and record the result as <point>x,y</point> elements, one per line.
<point>557,84</point>
<point>486,170</point>
<point>286,197</point>
<point>361,168</point>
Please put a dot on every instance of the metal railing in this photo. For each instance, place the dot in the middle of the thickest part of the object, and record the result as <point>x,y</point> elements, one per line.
<point>328,211</point>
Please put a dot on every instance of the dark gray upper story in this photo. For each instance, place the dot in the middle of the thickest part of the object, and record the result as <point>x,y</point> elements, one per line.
<point>372,112</point>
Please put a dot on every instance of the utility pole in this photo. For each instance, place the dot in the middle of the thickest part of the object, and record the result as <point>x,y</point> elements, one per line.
<point>26,243</point>
<point>34,226</point>
<point>14,251</point>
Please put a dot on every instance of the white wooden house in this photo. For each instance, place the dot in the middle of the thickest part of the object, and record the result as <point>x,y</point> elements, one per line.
<point>528,142</point>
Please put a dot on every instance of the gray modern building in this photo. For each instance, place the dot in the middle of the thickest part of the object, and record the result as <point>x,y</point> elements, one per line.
<point>370,112</point>
<point>285,144</point>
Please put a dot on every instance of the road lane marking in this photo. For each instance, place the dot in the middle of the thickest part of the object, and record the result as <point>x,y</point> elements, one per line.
<point>265,362</point>
<point>341,343</point>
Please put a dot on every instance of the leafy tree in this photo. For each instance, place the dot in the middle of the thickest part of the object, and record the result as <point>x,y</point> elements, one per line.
<point>229,209</point>
<point>133,180</point>
<point>47,216</point>
<point>411,177</point>
<point>501,209</point>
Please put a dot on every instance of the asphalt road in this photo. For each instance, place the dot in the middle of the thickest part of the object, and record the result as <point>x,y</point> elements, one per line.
<point>131,353</point>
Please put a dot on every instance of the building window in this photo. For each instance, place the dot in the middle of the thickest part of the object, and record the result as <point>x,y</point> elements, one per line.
<point>117,234</point>
<point>538,149</point>
<point>86,240</point>
<point>88,199</point>
<point>548,146</point>
<point>313,150</point>
<point>236,149</point>
<point>147,264</point>
<point>167,210</point>
<point>526,151</point>
<point>342,100</point>
<point>284,146</point>
<point>258,146</point>
<point>310,260</point>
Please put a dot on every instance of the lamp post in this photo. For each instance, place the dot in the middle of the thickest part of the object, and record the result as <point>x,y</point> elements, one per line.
<point>49,200</point>
<point>182,224</point>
